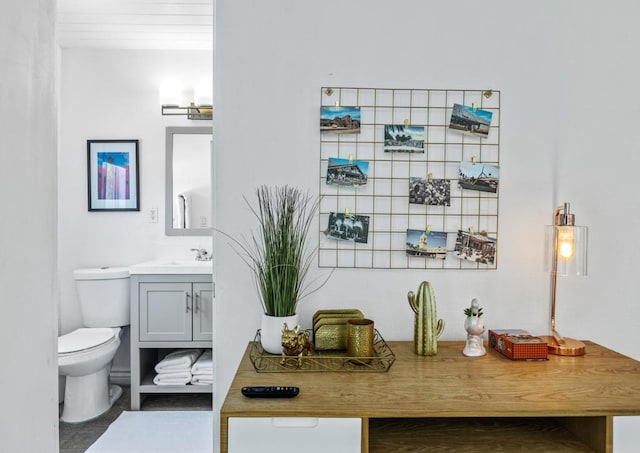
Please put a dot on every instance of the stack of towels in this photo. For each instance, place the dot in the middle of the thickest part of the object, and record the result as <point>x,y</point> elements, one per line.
<point>175,368</point>
<point>202,370</point>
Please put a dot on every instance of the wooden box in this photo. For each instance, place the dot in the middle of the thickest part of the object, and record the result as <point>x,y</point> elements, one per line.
<point>518,344</point>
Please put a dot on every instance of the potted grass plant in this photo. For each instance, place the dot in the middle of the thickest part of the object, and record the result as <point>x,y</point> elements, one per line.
<point>279,258</point>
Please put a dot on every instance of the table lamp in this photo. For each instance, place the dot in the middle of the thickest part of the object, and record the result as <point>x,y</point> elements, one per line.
<point>566,254</point>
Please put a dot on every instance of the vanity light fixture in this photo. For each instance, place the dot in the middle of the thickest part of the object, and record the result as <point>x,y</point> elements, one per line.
<point>566,254</point>
<point>171,98</point>
<point>192,111</point>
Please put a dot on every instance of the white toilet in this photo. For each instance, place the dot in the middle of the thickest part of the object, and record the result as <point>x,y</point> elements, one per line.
<point>85,355</point>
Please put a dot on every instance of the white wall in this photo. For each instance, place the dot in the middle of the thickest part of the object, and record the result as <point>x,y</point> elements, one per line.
<point>114,94</point>
<point>28,420</point>
<point>569,106</point>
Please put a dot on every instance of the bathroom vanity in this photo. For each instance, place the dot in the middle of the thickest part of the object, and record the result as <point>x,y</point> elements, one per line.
<point>171,308</point>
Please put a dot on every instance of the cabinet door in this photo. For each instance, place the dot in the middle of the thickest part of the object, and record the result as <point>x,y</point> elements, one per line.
<point>165,311</point>
<point>203,311</point>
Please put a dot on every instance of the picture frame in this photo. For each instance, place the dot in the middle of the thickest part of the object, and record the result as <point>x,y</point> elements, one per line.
<point>113,175</point>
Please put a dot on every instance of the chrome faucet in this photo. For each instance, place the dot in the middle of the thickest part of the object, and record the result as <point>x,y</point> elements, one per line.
<point>202,255</point>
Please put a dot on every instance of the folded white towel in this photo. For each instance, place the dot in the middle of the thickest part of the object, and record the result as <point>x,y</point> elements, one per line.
<point>204,363</point>
<point>177,378</point>
<point>180,360</point>
<point>200,379</point>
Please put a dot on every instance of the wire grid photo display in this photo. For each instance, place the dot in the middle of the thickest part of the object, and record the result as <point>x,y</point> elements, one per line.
<point>407,141</point>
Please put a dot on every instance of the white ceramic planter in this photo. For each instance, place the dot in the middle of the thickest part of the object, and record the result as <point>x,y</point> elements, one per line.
<point>474,326</point>
<point>271,331</point>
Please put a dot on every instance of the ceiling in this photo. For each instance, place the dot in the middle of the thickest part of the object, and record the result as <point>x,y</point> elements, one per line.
<point>135,24</point>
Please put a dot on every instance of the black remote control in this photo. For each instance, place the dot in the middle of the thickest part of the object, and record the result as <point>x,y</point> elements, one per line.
<point>270,392</point>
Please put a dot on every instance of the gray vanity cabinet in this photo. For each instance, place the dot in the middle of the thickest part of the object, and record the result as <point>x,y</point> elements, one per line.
<point>203,311</point>
<point>172,311</point>
<point>168,312</point>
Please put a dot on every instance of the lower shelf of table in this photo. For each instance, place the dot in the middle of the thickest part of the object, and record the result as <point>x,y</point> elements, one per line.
<point>462,435</point>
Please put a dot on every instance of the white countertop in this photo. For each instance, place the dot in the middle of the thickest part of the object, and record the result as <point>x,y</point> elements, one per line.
<point>172,266</point>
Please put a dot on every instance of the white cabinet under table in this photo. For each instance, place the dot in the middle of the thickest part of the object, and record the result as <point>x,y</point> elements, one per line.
<point>447,402</point>
<point>168,312</point>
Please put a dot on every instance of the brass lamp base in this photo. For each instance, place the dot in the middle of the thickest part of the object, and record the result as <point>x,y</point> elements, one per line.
<point>570,347</point>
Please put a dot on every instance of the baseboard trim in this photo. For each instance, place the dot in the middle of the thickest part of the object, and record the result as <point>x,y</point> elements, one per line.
<point>120,377</point>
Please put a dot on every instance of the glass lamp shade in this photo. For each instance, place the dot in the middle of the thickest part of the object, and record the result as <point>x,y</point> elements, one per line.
<point>170,93</point>
<point>567,246</point>
<point>203,95</point>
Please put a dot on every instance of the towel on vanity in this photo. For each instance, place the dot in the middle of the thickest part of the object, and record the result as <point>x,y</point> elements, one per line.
<point>202,379</point>
<point>180,360</point>
<point>184,210</point>
<point>187,209</point>
<point>174,378</point>
<point>202,370</point>
<point>178,214</point>
<point>204,364</point>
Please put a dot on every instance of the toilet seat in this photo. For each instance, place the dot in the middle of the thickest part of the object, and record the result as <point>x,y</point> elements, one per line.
<point>84,339</point>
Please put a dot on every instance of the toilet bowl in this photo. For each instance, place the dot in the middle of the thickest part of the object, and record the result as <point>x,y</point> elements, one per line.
<point>84,357</point>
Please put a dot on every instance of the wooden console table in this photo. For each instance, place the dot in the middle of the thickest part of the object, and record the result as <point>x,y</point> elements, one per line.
<point>449,402</point>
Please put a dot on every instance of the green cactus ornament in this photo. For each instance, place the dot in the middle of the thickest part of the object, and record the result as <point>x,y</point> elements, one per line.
<point>427,328</point>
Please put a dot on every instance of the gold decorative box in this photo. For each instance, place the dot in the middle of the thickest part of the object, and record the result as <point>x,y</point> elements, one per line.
<point>330,328</point>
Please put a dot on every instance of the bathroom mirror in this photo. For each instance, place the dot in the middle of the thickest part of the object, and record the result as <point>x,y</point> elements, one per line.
<point>188,181</point>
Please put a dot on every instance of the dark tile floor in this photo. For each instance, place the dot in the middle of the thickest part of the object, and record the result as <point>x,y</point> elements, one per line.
<point>77,437</point>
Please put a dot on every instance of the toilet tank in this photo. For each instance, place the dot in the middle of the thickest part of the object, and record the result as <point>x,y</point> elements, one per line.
<point>104,296</point>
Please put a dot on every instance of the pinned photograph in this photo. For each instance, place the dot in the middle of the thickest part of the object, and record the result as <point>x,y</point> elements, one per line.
<point>347,172</point>
<point>403,139</point>
<point>478,248</point>
<point>429,244</point>
<point>479,176</point>
<point>340,120</point>
<point>470,120</point>
<point>433,192</point>
<point>349,227</point>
